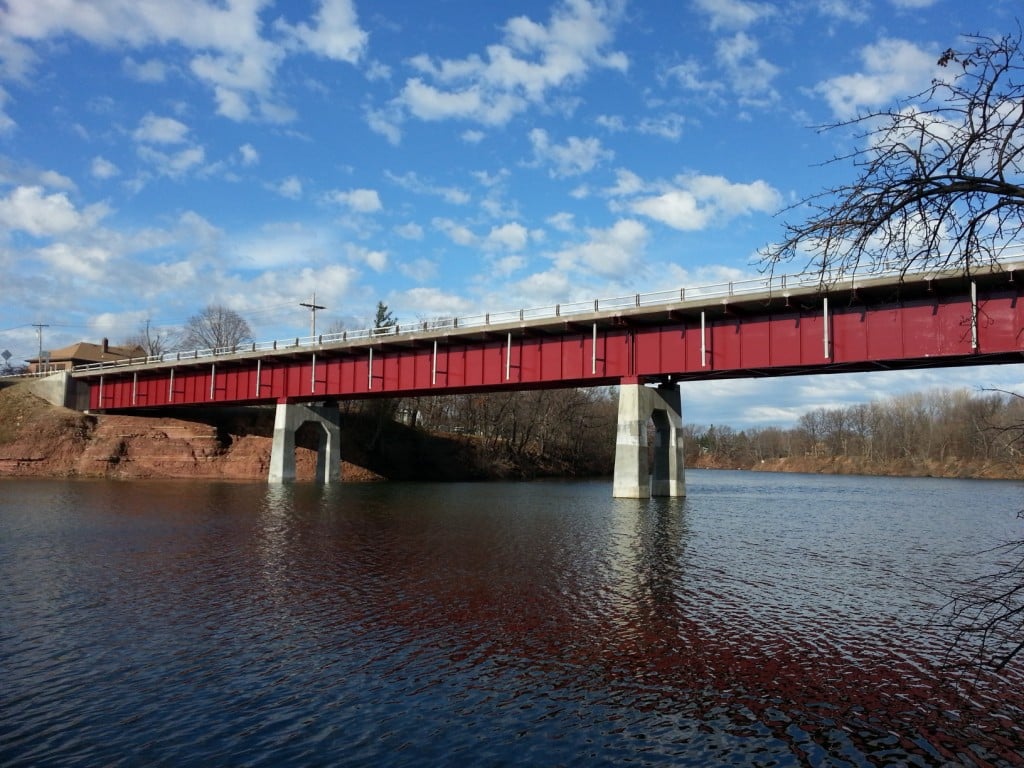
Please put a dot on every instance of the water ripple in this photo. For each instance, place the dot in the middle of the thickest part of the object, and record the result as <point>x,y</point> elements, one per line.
<point>774,621</point>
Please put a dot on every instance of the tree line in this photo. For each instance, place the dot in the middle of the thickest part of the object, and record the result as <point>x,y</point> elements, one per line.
<point>566,432</point>
<point>920,429</point>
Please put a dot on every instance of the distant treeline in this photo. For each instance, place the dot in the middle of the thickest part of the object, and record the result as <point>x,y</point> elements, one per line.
<point>571,432</point>
<point>940,426</point>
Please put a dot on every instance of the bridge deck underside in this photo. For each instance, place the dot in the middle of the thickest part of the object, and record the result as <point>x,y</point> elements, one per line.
<point>725,341</point>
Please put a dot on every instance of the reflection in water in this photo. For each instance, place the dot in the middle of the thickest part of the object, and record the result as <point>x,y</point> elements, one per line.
<point>768,621</point>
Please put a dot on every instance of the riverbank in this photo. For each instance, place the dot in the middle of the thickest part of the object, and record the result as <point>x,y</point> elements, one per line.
<point>845,465</point>
<point>41,440</point>
<point>38,439</point>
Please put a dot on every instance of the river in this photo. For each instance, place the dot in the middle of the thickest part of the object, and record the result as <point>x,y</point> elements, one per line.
<point>765,620</point>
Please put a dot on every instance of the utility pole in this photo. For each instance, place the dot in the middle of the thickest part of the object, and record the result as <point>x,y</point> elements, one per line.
<point>39,332</point>
<point>313,307</point>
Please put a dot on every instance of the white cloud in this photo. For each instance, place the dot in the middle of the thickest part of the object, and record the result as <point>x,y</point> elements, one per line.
<point>31,210</point>
<point>750,75</point>
<point>101,168</point>
<point>7,124</point>
<point>410,231</point>
<point>698,201</point>
<point>549,286</point>
<point>892,69</point>
<point>377,70</point>
<point>846,10</point>
<point>274,246</point>
<point>174,165</point>
<point>335,33</point>
<point>613,123</point>
<point>231,104</point>
<point>576,156</point>
<point>531,60</point>
<point>290,188</point>
<point>689,75</point>
<point>669,126</point>
<point>734,14</point>
<point>16,59</point>
<point>677,208</point>
<point>225,42</point>
<point>457,233</point>
<point>626,183</point>
<point>386,122</point>
<point>375,260</point>
<point>420,270</point>
<point>428,102</point>
<point>160,130</point>
<point>506,265</point>
<point>85,262</point>
<point>152,71</point>
<point>666,127</point>
<point>512,237</point>
<point>613,252</point>
<point>55,180</point>
<point>430,303</point>
<point>562,221</point>
<point>249,155</point>
<point>359,200</point>
<point>411,182</point>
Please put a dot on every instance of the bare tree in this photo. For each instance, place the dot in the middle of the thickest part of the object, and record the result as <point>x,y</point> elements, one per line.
<point>335,328</point>
<point>216,327</point>
<point>155,341</point>
<point>939,175</point>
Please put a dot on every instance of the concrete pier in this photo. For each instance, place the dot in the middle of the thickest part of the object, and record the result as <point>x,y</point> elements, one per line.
<point>287,421</point>
<point>633,477</point>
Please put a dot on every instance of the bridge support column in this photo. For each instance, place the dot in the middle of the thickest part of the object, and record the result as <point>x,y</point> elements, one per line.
<point>287,421</point>
<point>633,477</point>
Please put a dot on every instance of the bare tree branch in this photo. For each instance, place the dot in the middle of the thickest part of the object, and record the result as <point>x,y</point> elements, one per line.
<point>216,327</point>
<point>940,177</point>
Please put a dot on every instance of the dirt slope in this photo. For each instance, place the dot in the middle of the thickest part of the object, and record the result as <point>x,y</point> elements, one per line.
<point>38,439</point>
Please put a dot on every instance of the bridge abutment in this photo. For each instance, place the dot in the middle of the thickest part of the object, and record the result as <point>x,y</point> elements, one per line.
<point>633,476</point>
<point>287,421</point>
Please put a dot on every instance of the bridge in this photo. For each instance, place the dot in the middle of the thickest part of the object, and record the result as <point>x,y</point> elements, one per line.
<point>646,344</point>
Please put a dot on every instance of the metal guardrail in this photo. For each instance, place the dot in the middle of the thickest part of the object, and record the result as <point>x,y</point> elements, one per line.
<point>30,375</point>
<point>725,291</point>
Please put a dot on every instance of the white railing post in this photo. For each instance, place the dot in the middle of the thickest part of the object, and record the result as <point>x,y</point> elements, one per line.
<point>974,316</point>
<point>826,329</point>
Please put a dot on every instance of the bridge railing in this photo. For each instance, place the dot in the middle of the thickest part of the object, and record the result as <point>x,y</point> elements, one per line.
<point>724,291</point>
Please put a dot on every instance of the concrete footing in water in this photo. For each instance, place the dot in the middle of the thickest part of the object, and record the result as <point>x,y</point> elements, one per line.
<point>634,478</point>
<point>287,421</point>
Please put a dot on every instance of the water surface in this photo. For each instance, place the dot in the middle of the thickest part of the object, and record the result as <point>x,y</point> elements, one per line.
<point>768,620</point>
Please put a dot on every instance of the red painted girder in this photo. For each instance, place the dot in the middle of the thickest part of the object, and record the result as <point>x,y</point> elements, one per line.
<point>934,331</point>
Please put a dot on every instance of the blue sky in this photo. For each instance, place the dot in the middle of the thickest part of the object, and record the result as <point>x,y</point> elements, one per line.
<point>445,157</point>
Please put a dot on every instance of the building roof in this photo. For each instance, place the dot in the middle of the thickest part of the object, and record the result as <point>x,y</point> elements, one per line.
<point>85,352</point>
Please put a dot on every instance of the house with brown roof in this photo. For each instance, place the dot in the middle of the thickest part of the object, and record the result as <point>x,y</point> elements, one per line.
<point>81,353</point>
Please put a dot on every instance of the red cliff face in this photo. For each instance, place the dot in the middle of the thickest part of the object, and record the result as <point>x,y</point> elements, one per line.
<point>40,440</point>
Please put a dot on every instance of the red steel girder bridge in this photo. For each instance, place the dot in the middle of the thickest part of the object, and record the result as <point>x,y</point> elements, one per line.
<point>772,327</point>
<point>867,324</point>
